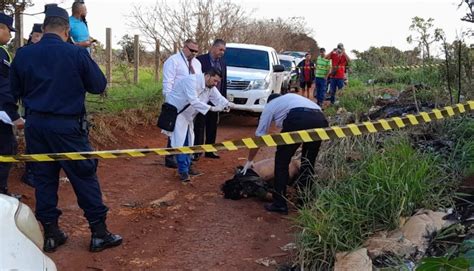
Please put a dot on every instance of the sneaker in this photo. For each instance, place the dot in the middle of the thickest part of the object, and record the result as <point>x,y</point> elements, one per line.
<point>184,177</point>
<point>194,172</point>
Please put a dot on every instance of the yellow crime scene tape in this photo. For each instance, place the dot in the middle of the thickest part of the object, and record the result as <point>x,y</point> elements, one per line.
<point>272,140</point>
<point>410,67</point>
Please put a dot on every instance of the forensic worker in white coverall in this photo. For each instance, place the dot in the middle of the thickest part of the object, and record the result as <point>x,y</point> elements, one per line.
<point>193,92</point>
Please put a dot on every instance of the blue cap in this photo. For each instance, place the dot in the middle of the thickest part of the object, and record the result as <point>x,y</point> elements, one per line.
<point>55,11</point>
<point>7,20</point>
<point>48,6</point>
<point>37,28</point>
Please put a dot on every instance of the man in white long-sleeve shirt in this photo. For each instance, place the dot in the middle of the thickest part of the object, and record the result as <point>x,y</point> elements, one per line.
<point>175,68</point>
<point>196,90</point>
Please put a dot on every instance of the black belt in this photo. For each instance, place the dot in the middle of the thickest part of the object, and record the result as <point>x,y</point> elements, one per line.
<point>304,109</point>
<point>55,116</point>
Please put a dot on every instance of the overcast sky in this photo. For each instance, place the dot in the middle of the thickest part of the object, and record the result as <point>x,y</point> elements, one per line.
<point>358,24</point>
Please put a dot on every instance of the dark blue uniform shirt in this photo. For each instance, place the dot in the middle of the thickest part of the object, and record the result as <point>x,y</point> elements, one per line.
<point>7,101</point>
<point>55,87</point>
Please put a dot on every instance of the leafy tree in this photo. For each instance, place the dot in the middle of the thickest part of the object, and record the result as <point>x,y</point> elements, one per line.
<point>382,56</point>
<point>470,15</point>
<point>424,35</point>
<point>127,42</point>
<point>9,6</point>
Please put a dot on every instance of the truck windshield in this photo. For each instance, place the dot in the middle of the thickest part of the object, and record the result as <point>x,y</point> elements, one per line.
<point>247,58</point>
<point>286,64</point>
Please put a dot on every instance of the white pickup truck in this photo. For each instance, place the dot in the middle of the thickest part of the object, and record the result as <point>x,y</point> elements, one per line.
<point>21,241</point>
<point>253,73</point>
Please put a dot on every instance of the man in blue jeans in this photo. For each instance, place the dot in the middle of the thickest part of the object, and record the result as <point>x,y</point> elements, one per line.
<point>323,68</point>
<point>340,61</point>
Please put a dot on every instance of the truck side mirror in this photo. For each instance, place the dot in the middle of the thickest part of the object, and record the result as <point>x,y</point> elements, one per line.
<point>278,68</point>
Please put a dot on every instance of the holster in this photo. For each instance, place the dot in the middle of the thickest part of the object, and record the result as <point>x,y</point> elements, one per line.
<point>84,124</point>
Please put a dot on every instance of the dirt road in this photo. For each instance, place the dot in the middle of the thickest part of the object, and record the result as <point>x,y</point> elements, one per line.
<point>196,228</point>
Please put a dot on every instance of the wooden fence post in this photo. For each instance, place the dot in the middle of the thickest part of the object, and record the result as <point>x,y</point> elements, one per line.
<point>136,58</point>
<point>19,8</point>
<point>108,54</point>
<point>157,60</point>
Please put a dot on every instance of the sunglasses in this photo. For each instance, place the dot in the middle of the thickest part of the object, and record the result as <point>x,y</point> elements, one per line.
<point>192,50</point>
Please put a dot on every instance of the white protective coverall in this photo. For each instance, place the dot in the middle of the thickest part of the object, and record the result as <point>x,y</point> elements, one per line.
<point>191,90</point>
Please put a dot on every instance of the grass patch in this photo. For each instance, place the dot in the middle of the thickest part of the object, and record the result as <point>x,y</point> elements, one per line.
<point>122,95</point>
<point>461,131</point>
<point>364,198</point>
<point>365,184</point>
<point>125,106</point>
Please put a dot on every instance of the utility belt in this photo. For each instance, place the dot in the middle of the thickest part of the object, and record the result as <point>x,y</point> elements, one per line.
<point>304,109</point>
<point>81,118</point>
<point>54,116</point>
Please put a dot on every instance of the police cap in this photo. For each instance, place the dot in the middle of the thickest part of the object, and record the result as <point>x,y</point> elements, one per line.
<point>7,20</point>
<point>37,28</point>
<point>55,11</point>
<point>48,6</point>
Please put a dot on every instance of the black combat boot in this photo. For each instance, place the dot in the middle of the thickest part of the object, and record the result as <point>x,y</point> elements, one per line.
<point>53,236</point>
<point>101,238</point>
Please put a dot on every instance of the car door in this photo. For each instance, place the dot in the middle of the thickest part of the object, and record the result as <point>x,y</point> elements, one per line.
<point>277,76</point>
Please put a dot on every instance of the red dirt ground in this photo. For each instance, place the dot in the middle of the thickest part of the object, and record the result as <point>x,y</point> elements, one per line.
<point>199,230</point>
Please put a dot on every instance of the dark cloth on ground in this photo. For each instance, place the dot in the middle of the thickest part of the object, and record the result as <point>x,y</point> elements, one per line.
<point>245,186</point>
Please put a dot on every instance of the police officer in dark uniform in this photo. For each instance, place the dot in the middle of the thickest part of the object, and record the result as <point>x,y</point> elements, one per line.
<point>36,34</point>
<point>8,105</point>
<point>52,78</point>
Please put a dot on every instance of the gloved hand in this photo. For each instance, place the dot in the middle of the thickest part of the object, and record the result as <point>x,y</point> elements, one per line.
<point>247,165</point>
<point>217,108</point>
<point>231,105</point>
<point>213,109</point>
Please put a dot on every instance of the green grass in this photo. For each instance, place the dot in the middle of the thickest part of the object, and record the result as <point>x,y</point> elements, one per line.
<point>364,198</point>
<point>461,131</point>
<point>356,99</point>
<point>388,179</point>
<point>123,95</point>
